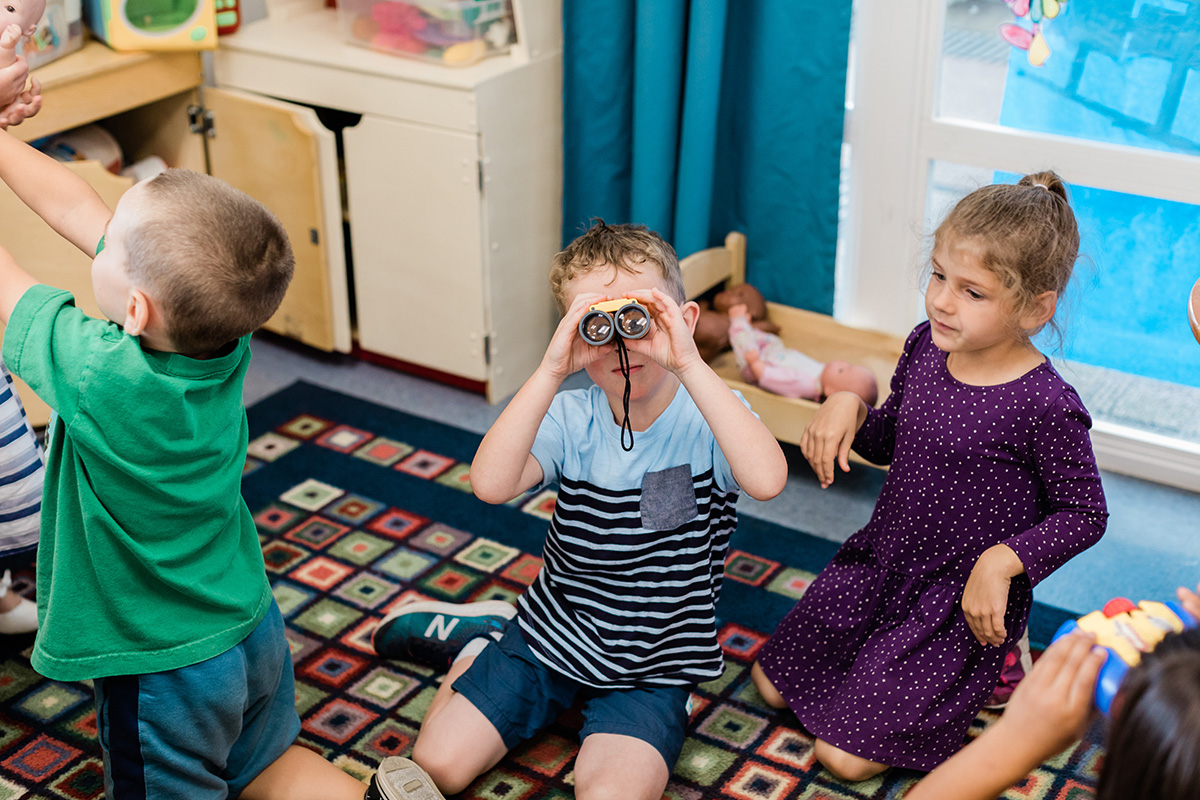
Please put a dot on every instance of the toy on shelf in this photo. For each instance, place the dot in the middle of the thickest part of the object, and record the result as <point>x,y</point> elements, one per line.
<point>454,32</point>
<point>59,33</point>
<point>153,24</point>
<point>1126,631</point>
<point>229,17</point>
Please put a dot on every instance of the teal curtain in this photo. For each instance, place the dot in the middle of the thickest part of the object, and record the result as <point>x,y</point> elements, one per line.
<point>698,117</point>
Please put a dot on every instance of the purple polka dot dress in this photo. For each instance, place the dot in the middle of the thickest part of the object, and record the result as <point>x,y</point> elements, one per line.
<point>876,658</point>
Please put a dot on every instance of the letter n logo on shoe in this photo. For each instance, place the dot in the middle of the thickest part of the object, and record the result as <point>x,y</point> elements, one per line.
<point>440,627</point>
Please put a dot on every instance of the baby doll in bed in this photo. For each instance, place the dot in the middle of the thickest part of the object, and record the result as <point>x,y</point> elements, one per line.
<point>766,361</point>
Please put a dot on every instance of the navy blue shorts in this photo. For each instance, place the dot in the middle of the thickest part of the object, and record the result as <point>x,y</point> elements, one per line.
<point>520,696</point>
<point>202,731</point>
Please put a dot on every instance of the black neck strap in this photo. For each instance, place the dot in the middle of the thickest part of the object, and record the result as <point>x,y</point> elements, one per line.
<point>626,425</point>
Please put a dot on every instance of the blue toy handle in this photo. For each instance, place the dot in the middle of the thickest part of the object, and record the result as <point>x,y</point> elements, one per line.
<point>1115,669</point>
<point>1177,608</point>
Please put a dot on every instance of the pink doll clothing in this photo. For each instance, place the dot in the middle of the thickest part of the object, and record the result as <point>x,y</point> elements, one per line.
<point>788,372</point>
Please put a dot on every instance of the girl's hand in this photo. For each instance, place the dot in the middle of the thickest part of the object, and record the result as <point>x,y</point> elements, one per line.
<point>985,596</point>
<point>568,352</point>
<point>670,341</point>
<point>1190,601</point>
<point>1051,707</point>
<point>828,436</point>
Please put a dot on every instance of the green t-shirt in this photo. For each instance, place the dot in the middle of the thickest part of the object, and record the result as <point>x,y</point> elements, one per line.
<point>149,559</point>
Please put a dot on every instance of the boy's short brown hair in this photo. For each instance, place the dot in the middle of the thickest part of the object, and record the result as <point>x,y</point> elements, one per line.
<point>215,259</point>
<point>624,247</point>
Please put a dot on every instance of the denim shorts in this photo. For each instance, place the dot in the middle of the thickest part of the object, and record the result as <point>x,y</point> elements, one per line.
<point>201,731</point>
<point>520,696</point>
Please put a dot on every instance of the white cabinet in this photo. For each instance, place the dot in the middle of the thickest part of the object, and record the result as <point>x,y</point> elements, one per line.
<point>452,186</point>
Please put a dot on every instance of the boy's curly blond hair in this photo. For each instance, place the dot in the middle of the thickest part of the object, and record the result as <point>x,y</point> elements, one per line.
<point>620,247</point>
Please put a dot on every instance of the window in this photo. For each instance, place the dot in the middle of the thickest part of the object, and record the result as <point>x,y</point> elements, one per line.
<point>941,104</point>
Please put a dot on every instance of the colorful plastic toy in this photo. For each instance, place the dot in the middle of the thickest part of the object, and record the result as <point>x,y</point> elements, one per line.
<point>1126,631</point>
<point>604,320</point>
<point>154,24</point>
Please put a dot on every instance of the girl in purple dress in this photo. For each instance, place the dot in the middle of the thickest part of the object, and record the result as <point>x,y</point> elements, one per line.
<point>993,485</point>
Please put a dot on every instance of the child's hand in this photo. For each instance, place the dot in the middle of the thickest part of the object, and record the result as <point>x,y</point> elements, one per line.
<point>13,77</point>
<point>1051,707</point>
<point>25,106</point>
<point>568,352</point>
<point>1190,601</point>
<point>739,311</point>
<point>670,341</point>
<point>985,597</point>
<point>828,436</point>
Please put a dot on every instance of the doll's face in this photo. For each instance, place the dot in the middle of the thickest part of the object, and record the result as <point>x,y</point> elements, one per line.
<point>23,13</point>
<point>745,294</point>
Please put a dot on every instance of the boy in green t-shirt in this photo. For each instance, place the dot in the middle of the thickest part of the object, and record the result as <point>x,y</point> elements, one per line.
<point>150,576</point>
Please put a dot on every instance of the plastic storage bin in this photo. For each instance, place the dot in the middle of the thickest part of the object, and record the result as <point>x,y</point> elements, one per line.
<point>454,32</point>
<point>59,32</point>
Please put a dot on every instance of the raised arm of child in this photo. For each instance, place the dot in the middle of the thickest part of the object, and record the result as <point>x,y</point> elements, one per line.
<point>504,465</point>
<point>1048,711</point>
<point>754,455</point>
<point>14,282</point>
<point>64,200</point>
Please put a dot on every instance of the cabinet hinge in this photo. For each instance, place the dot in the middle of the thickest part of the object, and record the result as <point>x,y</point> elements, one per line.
<point>480,163</point>
<point>200,120</point>
<point>487,350</point>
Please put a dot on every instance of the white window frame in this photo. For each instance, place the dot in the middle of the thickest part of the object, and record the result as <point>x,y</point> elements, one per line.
<point>894,139</point>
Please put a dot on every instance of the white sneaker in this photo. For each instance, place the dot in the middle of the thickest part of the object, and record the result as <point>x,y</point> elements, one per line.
<point>397,778</point>
<point>21,618</point>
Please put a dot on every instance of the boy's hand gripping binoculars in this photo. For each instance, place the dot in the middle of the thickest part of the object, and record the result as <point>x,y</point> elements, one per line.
<point>623,316</point>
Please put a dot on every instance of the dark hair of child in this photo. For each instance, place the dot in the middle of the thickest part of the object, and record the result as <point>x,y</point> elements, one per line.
<point>1154,738</point>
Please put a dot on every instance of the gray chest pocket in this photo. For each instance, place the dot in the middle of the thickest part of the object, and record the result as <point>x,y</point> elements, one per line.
<point>668,498</point>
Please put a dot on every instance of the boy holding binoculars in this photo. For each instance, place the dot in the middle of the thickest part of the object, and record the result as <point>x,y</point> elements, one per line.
<point>622,616</point>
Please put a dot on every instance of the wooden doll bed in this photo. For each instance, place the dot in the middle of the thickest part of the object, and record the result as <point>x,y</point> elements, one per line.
<point>817,335</point>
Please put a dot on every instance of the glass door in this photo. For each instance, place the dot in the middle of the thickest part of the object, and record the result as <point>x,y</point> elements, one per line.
<point>962,93</point>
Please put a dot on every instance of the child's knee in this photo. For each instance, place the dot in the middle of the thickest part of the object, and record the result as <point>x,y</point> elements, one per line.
<point>767,689</point>
<point>845,766</point>
<point>444,766</point>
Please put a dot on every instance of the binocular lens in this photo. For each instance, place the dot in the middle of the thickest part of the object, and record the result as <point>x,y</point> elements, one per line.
<point>633,322</point>
<point>596,327</point>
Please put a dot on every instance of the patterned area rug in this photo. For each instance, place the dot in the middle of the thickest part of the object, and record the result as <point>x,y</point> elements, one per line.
<point>361,508</point>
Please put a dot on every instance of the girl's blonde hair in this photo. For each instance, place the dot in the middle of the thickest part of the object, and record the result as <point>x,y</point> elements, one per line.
<point>1026,234</point>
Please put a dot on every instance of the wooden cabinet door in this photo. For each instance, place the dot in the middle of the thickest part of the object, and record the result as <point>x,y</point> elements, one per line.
<point>52,259</point>
<point>280,154</point>
<point>415,231</point>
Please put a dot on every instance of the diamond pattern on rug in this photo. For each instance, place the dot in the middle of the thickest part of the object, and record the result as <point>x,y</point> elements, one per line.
<point>271,446</point>
<point>383,451</point>
<point>342,551</point>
